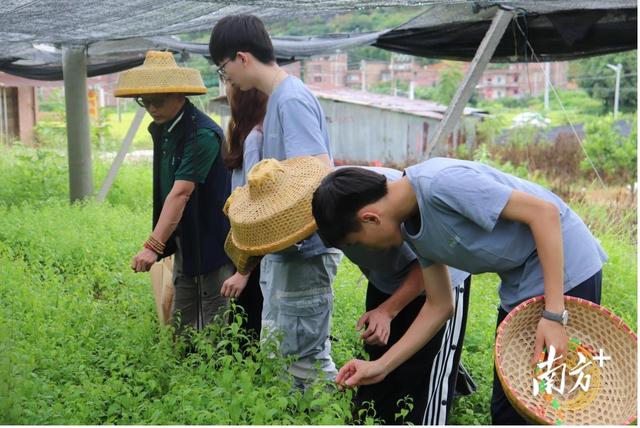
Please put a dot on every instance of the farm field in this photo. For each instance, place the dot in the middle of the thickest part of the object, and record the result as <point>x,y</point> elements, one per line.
<point>82,345</point>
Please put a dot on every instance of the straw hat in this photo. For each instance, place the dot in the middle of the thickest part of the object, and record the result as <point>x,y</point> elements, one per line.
<point>611,395</point>
<point>159,74</point>
<point>273,210</point>
<point>243,262</point>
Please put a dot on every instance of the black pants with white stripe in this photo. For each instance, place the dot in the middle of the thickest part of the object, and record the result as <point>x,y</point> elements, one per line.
<point>429,376</point>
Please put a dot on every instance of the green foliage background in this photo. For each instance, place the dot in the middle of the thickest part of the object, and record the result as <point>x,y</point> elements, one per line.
<point>82,345</point>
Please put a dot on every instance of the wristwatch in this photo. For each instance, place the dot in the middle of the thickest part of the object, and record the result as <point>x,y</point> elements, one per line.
<point>562,318</point>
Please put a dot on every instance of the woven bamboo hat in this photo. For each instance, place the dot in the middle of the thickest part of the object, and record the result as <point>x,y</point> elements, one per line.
<point>159,74</point>
<point>273,210</point>
<point>243,262</point>
<point>611,396</point>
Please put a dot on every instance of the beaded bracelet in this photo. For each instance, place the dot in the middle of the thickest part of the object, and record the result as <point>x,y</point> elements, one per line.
<point>154,245</point>
<point>150,247</point>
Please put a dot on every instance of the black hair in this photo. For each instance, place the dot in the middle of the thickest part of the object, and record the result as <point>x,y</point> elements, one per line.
<point>340,196</point>
<point>240,33</point>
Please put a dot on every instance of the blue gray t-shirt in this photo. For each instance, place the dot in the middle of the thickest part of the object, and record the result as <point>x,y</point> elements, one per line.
<point>294,125</point>
<point>460,204</point>
<point>251,155</point>
<point>387,269</point>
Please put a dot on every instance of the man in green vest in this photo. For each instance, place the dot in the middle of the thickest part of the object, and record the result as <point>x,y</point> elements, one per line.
<point>190,187</point>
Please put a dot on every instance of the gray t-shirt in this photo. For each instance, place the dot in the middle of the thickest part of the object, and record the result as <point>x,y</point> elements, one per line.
<point>387,269</point>
<point>252,152</point>
<point>460,204</point>
<point>294,125</point>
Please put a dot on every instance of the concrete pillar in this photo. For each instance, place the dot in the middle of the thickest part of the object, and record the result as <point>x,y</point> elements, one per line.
<point>74,69</point>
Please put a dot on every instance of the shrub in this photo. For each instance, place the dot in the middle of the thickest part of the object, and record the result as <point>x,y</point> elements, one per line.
<point>613,155</point>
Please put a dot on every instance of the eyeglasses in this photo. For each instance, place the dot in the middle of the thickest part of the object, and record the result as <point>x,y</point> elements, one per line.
<point>222,73</point>
<point>155,102</point>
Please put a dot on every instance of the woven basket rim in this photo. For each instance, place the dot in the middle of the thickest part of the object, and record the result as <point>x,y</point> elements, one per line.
<point>513,397</point>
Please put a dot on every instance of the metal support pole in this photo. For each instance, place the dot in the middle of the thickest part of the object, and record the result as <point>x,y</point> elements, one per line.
<point>394,90</point>
<point>412,83</point>
<point>478,65</point>
<point>117,161</point>
<point>363,75</point>
<point>547,84</point>
<point>616,101</point>
<point>74,69</point>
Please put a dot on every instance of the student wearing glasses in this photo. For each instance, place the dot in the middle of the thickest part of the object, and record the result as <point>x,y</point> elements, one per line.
<point>295,282</point>
<point>190,187</point>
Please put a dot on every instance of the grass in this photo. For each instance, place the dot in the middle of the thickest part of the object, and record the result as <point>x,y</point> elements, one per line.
<point>51,132</point>
<point>82,344</point>
<point>118,127</point>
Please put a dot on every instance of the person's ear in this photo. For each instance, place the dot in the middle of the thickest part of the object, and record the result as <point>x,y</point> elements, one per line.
<point>369,217</point>
<point>243,57</point>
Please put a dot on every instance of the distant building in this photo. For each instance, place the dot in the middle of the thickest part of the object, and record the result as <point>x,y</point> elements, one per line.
<point>367,74</point>
<point>499,83</point>
<point>429,76</point>
<point>18,108</point>
<point>521,80</point>
<point>404,69</point>
<point>372,129</point>
<point>293,69</point>
<point>514,80</point>
<point>326,71</point>
<point>19,105</point>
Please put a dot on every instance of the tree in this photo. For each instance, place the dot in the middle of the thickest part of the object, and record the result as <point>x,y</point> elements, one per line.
<point>367,53</point>
<point>599,81</point>
<point>448,84</point>
<point>361,21</point>
<point>614,155</point>
<point>207,71</point>
<point>446,88</point>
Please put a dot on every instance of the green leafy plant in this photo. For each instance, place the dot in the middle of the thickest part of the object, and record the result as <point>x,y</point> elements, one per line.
<point>82,345</point>
<point>611,153</point>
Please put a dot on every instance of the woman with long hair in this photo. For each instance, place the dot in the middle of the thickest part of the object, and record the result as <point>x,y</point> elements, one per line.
<point>244,149</point>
